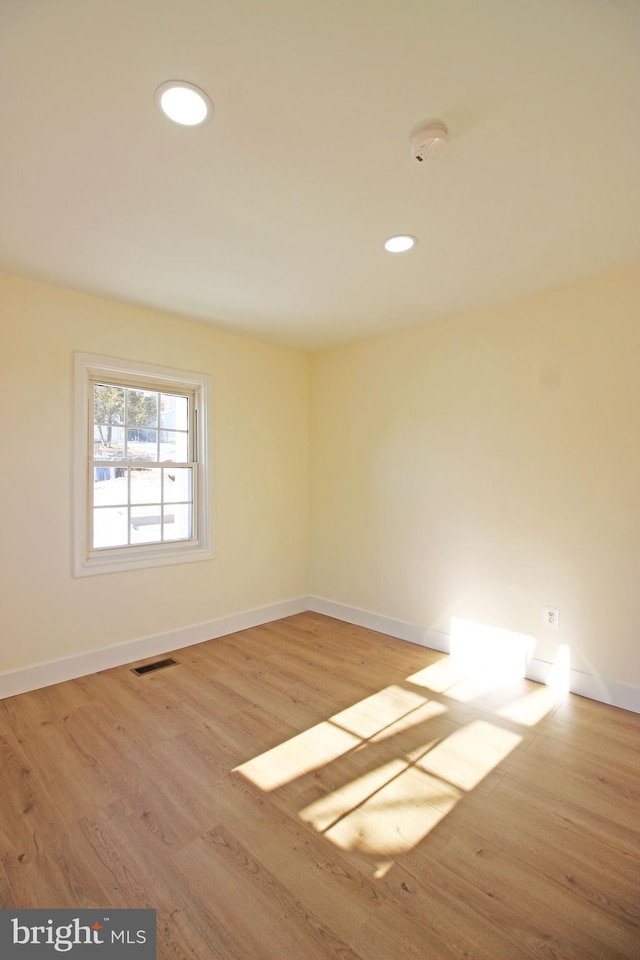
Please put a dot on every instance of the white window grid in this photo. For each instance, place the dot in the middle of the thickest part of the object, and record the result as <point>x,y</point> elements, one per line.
<point>94,369</point>
<point>129,464</point>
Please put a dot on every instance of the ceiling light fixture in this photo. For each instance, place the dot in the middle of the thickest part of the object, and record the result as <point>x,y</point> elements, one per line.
<point>184,103</point>
<point>400,243</point>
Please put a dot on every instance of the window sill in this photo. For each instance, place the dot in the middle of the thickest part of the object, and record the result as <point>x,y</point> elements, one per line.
<point>135,559</point>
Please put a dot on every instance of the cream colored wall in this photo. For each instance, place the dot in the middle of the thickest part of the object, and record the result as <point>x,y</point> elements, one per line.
<point>487,465</point>
<point>481,467</point>
<point>260,445</point>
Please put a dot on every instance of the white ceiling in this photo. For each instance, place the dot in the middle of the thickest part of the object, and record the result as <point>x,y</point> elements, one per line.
<point>270,220</point>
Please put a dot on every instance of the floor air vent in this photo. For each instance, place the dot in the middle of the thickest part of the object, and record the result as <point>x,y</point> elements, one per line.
<point>150,667</point>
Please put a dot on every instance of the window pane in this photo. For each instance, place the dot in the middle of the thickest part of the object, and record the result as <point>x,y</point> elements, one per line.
<point>108,404</point>
<point>145,524</point>
<point>108,442</point>
<point>109,486</point>
<point>178,522</point>
<point>140,450</point>
<point>109,527</point>
<point>145,486</point>
<point>142,408</point>
<point>174,411</point>
<point>174,446</point>
<point>142,444</point>
<point>178,484</point>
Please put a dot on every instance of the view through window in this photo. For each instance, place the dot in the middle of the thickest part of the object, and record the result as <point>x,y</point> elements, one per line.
<point>137,497</point>
<point>141,493</point>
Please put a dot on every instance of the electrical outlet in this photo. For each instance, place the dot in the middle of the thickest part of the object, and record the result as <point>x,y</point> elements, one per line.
<point>551,617</point>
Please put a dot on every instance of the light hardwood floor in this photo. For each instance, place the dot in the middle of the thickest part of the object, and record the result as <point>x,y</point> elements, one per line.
<point>310,789</point>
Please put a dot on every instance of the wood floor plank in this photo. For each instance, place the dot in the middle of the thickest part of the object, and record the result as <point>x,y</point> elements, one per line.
<point>313,789</point>
<point>563,840</point>
<point>187,923</point>
<point>273,922</point>
<point>544,913</point>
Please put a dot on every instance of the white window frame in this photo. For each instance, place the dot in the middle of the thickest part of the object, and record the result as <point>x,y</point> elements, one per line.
<point>87,561</point>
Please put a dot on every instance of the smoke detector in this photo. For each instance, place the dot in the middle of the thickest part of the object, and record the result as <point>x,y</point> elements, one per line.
<point>430,142</point>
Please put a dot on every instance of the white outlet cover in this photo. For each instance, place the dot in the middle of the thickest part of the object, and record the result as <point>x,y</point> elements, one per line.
<point>551,617</point>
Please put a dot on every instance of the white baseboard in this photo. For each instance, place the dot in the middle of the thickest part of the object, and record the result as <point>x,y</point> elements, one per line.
<point>590,685</point>
<point>425,637</point>
<point>614,692</point>
<point>45,674</point>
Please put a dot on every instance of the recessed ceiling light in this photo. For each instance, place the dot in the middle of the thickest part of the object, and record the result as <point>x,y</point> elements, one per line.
<point>184,103</point>
<point>400,244</point>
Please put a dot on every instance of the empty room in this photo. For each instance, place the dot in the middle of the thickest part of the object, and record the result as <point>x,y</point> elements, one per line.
<point>319,340</point>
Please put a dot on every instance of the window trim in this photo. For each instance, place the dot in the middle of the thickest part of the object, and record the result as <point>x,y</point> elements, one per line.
<point>86,561</point>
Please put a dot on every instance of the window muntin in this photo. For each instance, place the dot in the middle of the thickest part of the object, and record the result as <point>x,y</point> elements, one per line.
<point>129,448</point>
<point>141,491</point>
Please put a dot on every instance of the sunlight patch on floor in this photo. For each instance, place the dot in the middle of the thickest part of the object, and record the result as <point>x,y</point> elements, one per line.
<point>482,658</point>
<point>323,813</point>
<point>310,750</point>
<point>384,714</point>
<point>468,755</point>
<point>438,677</point>
<point>394,819</point>
<point>381,868</point>
<point>371,715</point>
<point>421,715</point>
<point>392,792</point>
<point>530,709</point>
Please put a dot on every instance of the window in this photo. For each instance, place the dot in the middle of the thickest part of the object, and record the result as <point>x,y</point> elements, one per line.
<point>141,491</point>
